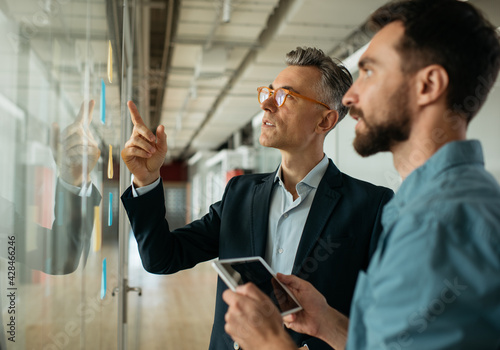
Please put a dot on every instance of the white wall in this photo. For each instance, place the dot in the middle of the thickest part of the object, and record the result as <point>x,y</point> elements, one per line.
<point>485,127</point>
<point>379,169</point>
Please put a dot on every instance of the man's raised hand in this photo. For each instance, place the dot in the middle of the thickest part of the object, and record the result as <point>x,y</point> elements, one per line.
<point>76,152</point>
<point>144,153</point>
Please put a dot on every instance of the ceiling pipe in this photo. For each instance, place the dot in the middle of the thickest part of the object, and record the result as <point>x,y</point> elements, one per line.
<point>146,23</point>
<point>213,29</point>
<point>226,11</point>
<point>275,22</point>
<point>207,46</point>
<point>172,6</point>
<point>154,4</point>
<point>142,28</point>
<point>356,40</point>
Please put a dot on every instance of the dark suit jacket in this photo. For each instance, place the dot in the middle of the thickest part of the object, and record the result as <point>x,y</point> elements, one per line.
<point>339,236</point>
<point>58,249</point>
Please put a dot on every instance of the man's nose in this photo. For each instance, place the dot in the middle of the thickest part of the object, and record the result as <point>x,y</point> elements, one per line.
<point>350,98</point>
<point>269,105</point>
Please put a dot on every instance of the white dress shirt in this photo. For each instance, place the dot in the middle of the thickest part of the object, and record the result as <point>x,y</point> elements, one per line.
<point>287,218</point>
<point>83,191</point>
<point>136,192</point>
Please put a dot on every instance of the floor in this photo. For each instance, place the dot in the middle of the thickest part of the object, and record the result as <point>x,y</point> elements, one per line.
<point>67,312</point>
<point>174,311</point>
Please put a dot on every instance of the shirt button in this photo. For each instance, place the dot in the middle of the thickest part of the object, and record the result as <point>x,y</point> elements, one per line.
<point>285,215</point>
<point>280,251</point>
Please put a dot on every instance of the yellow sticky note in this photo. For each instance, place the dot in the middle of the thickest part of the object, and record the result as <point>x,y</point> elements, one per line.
<point>97,229</point>
<point>110,163</point>
<point>110,62</point>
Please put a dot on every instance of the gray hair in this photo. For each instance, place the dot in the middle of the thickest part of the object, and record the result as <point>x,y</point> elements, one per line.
<point>335,78</point>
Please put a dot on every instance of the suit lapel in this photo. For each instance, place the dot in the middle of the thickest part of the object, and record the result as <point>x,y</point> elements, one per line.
<point>324,203</point>
<point>260,214</point>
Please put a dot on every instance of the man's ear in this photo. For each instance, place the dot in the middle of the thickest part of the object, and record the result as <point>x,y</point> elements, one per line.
<point>328,121</point>
<point>432,84</point>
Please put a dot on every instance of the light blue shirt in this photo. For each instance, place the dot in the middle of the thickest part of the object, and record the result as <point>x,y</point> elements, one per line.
<point>287,217</point>
<point>434,281</point>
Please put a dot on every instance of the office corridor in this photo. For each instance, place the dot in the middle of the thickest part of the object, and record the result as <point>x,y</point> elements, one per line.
<point>69,68</point>
<point>175,311</point>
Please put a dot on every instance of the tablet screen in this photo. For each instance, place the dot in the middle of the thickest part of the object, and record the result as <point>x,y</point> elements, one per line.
<point>254,271</point>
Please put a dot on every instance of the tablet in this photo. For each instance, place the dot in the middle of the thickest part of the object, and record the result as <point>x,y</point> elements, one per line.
<point>235,272</point>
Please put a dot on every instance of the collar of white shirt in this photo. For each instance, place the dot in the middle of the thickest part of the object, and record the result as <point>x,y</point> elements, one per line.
<point>313,178</point>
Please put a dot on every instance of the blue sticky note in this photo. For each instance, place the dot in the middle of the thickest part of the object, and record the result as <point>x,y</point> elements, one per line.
<point>48,264</point>
<point>103,279</point>
<point>110,209</point>
<point>103,102</point>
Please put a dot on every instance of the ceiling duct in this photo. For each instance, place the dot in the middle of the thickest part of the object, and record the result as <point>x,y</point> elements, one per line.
<point>212,61</point>
<point>170,14</point>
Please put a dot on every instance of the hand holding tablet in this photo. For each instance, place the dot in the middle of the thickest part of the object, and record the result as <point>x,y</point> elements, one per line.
<point>235,272</point>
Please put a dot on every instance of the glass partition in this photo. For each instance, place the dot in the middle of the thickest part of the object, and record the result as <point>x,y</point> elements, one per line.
<point>60,122</point>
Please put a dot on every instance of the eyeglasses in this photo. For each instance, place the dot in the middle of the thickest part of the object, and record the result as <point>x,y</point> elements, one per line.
<point>280,96</point>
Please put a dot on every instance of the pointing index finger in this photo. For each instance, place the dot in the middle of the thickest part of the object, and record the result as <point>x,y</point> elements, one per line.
<point>84,116</point>
<point>134,113</point>
<point>138,122</point>
<point>91,110</point>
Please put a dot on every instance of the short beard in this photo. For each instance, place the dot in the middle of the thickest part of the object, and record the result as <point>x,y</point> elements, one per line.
<point>381,137</point>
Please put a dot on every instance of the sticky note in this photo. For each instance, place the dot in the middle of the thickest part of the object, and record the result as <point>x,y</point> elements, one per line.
<point>110,209</point>
<point>97,229</point>
<point>103,279</point>
<point>48,264</point>
<point>110,162</point>
<point>110,62</point>
<point>103,102</point>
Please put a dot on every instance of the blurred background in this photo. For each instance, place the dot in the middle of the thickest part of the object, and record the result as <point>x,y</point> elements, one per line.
<point>72,278</point>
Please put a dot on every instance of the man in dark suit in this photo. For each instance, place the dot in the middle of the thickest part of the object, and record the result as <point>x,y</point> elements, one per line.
<point>58,249</point>
<point>307,218</point>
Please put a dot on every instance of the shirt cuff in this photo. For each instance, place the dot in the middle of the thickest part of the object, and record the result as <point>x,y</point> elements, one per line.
<point>136,192</point>
<point>84,191</point>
